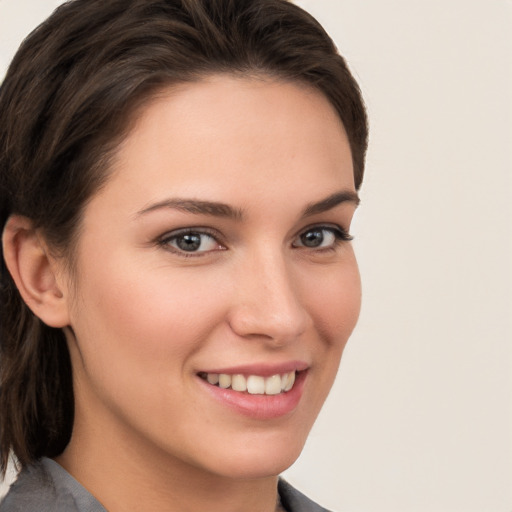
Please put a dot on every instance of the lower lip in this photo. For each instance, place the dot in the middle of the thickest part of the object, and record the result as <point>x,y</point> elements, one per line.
<point>260,407</point>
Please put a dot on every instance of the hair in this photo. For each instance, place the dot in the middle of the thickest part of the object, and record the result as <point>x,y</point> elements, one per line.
<point>68,99</point>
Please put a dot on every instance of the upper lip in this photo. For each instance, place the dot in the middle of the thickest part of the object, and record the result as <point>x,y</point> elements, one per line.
<point>262,369</point>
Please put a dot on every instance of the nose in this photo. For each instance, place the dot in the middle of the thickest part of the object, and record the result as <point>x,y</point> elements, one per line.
<point>267,301</point>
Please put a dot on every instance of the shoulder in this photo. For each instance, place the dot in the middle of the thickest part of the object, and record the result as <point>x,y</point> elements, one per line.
<point>294,501</point>
<point>32,490</point>
<point>44,487</point>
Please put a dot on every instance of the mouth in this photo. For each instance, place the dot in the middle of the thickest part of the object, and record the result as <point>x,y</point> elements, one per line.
<point>252,384</point>
<point>258,391</point>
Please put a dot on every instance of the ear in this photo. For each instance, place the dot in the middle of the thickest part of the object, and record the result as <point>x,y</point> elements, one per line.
<point>34,271</point>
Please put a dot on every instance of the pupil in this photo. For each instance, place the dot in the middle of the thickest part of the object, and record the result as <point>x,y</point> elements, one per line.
<point>190,242</point>
<point>312,238</point>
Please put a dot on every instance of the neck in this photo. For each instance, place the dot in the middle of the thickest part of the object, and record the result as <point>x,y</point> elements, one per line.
<point>141,478</point>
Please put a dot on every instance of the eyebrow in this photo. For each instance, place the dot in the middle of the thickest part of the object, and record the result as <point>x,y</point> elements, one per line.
<point>217,209</point>
<point>197,207</point>
<point>330,202</point>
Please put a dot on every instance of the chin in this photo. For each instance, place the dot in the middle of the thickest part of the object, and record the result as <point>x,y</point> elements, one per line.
<point>263,467</point>
<point>260,459</point>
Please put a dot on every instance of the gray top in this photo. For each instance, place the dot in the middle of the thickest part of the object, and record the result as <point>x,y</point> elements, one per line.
<point>47,487</point>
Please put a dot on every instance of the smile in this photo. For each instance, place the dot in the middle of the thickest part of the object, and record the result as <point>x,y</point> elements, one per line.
<point>252,384</point>
<point>260,392</point>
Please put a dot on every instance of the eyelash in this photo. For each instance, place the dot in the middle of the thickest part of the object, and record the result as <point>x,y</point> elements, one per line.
<point>166,240</point>
<point>340,236</point>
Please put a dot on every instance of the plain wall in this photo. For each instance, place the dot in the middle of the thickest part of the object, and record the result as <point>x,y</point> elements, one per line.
<point>420,418</point>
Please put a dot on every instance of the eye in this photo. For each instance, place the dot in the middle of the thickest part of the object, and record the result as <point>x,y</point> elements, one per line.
<point>190,242</point>
<point>321,237</point>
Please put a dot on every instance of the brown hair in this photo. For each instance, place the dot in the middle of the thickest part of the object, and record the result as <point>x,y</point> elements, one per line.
<point>67,102</point>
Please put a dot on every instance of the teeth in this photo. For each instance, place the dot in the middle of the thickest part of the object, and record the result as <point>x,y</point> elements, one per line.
<point>290,381</point>
<point>238,383</point>
<point>213,378</point>
<point>253,384</point>
<point>224,380</point>
<point>273,385</point>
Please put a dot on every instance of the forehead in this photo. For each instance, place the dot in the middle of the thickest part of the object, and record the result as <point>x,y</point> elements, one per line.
<point>233,133</point>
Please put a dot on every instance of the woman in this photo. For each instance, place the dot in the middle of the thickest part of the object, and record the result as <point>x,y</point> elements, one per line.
<point>177,184</point>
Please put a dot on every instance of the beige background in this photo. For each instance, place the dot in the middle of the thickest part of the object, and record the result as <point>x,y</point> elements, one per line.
<point>420,419</point>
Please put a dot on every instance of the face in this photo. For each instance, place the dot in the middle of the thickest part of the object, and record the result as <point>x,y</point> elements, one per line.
<point>213,268</point>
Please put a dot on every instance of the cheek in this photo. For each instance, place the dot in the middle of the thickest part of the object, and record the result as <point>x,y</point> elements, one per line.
<point>137,331</point>
<point>334,303</point>
<point>332,296</point>
<point>144,319</point>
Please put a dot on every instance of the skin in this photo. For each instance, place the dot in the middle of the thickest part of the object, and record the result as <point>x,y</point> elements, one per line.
<point>145,317</point>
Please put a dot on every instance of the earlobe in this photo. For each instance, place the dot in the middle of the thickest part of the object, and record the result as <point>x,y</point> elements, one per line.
<point>34,271</point>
